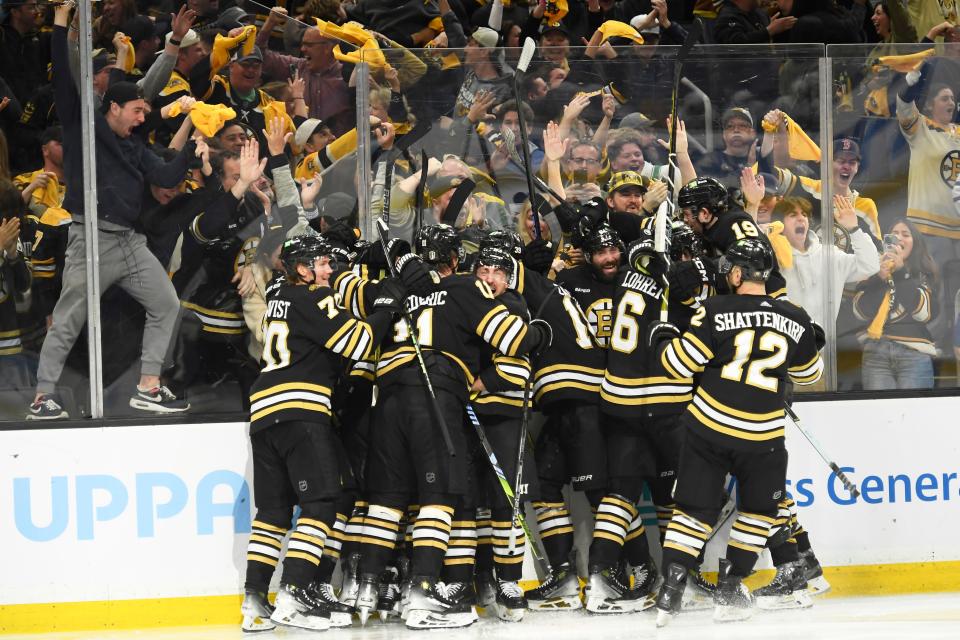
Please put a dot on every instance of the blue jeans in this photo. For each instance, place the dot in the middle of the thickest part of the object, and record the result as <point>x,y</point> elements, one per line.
<point>890,365</point>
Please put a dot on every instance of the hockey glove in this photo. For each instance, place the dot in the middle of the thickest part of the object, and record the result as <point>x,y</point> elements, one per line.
<point>685,280</point>
<point>641,253</point>
<point>819,336</point>
<point>397,247</point>
<point>567,216</point>
<point>414,275</point>
<point>390,296</point>
<point>660,333</point>
<point>538,256</point>
<point>541,336</point>
<point>341,235</point>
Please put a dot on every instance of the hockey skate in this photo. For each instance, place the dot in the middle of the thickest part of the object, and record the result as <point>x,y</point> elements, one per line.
<point>732,598</point>
<point>438,606</point>
<point>510,603</point>
<point>256,610</point>
<point>351,580</point>
<point>698,594</point>
<point>560,591</point>
<point>605,593</point>
<point>341,615</point>
<point>787,590</point>
<point>670,598</point>
<point>367,594</point>
<point>817,585</point>
<point>295,607</point>
<point>388,597</point>
<point>486,589</point>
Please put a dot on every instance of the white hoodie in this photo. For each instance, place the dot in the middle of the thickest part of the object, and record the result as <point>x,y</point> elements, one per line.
<point>805,282</point>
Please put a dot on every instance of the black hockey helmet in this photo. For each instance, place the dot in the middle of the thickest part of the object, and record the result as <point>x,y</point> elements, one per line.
<point>752,255</point>
<point>706,193</point>
<point>599,237</point>
<point>509,241</point>
<point>684,240</point>
<point>304,250</point>
<point>436,242</point>
<point>494,256</point>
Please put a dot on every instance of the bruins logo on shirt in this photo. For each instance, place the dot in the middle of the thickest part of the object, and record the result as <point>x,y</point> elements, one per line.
<point>950,167</point>
<point>600,316</point>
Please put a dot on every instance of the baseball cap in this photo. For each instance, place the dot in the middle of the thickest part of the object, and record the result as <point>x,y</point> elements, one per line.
<point>547,27</point>
<point>139,28</point>
<point>338,206</point>
<point>622,179</point>
<point>736,112</point>
<point>101,60</point>
<point>253,56</point>
<point>846,145</point>
<point>485,37</point>
<point>306,129</point>
<point>189,39</point>
<point>635,120</point>
<point>231,19</point>
<point>121,93</point>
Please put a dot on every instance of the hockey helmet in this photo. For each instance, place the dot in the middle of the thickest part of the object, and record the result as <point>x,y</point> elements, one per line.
<point>509,241</point>
<point>703,193</point>
<point>494,256</point>
<point>601,236</point>
<point>753,255</point>
<point>436,242</point>
<point>304,250</point>
<point>684,240</point>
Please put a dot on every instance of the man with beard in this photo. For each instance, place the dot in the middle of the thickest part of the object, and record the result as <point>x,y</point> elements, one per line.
<point>739,141</point>
<point>630,199</point>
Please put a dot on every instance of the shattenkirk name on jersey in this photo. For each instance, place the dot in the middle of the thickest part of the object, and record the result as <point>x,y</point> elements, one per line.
<point>734,320</point>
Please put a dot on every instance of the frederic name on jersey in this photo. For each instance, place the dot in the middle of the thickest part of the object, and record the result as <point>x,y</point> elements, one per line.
<point>736,320</point>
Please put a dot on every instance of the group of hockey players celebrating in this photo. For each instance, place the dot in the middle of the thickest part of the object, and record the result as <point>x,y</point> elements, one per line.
<point>391,419</point>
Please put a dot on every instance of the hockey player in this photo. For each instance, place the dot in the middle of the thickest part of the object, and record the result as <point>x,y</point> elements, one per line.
<point>744,348</point>
<point>295,456</point>
<point>499,402</point>
<point>454,317</point>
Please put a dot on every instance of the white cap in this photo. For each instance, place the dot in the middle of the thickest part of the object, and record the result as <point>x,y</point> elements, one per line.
<point>306,129</point>
<point>486,37</point>
<point>190,38</point>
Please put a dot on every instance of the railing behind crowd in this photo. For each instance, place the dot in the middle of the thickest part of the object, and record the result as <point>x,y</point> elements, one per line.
<point>881,276</point>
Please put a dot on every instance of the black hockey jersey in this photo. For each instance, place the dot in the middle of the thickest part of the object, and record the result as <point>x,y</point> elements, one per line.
<point>635,383</point>
<point>745,347</point>
<point>739,225</point>
<point>305,334</point>
<point>505,377</point>
<point>453,323</point>
<point>595,298</point>
<point>572,368</point>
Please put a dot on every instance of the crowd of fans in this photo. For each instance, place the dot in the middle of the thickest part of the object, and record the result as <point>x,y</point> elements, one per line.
<point>235,124</point>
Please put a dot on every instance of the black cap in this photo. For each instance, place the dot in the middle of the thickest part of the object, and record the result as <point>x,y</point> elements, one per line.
<point>231,18</point>
<point>139,28</point>
<point>846,145</point>
<point>50,134</point>
<point>254,56</point>
<point>121,93</point>
<point>102,60</point>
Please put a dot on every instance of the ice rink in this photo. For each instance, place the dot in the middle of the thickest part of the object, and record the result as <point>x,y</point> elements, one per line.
<point>876,618</point>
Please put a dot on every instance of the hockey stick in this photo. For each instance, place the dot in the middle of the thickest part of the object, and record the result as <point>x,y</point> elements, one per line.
<point>538,555</point>
<point>383,231</point>
<point>529,47</point>
<point>421,186</point>
<point>510,142</point>
<point>841,476</point>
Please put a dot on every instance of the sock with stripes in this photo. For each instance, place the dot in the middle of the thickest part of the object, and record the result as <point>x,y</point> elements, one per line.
<point>378,538</point>
<point>351,534</point>
<point>263,552</point>
<point>684,541</point>
<point>484,541</point>
<point>636,549</point>
<point>305,547</point>
<point>611,522</point>
<point>748,537</point>
<point>509,565</point>
<point>786,551</point>
<point>332,550</point>
<point>664,513</point>
<point>460,558</point>
<point>431,534</point>
<point>556,531</point>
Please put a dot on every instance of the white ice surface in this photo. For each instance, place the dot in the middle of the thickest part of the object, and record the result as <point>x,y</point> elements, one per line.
<point>915,617</point>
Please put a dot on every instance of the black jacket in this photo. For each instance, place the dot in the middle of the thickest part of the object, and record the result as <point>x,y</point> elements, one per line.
<point>124,165</point>
<point>734,26</point>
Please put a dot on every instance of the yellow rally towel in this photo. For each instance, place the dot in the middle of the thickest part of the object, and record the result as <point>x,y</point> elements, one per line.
<point>907,63</point>
<point>555,11</point>
<point>207,118</point>
<point>781,246</point>
<point>278,109</point>
<point>223,47</point>
<point>799,144</point>
<point>369,52</point>
<point>129,62</point>
<point>875,330</point>
<point>616,29</point>
<point>351,32</point>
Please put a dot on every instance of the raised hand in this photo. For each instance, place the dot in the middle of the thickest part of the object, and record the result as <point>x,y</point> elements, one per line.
<point>277,136</point>
<point>181,22</point>
<point>751,186</point>
<point>554,146</point>
<point>844,213</point>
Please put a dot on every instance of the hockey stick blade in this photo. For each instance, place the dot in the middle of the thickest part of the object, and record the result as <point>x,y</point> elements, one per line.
<point>526,55</point>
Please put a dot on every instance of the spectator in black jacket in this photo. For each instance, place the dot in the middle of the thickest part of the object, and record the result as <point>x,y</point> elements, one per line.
<point>22,58</point>
<point>123,166</point>
<point>741,22</point>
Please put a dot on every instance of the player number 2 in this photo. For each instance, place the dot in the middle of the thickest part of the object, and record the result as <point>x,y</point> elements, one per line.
<point>275,351</point>
<point>424,329</point>
<point>626,330</point>
<point>743,345</point>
